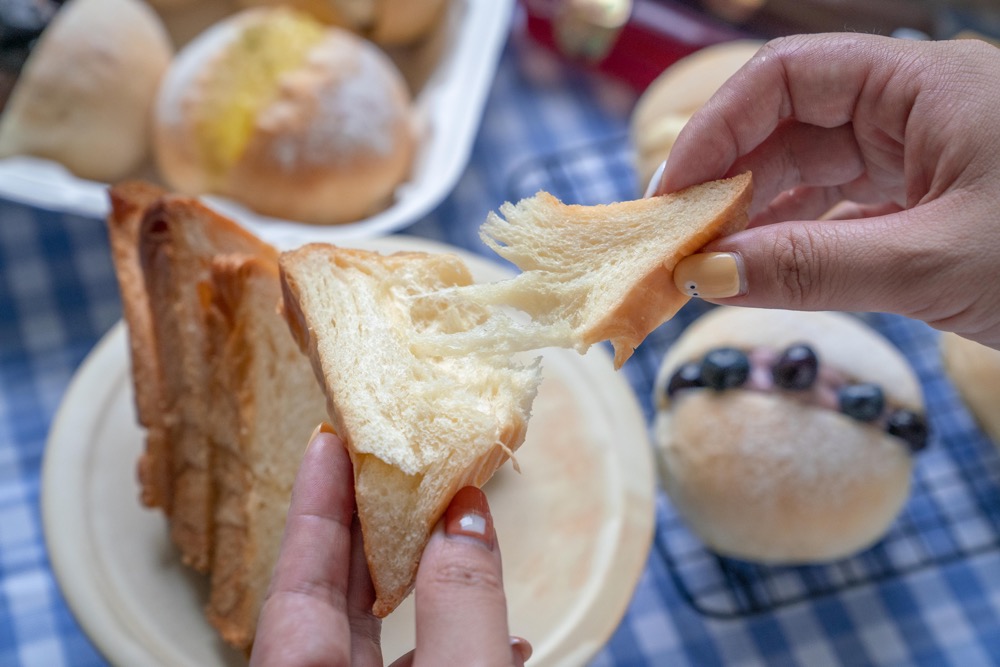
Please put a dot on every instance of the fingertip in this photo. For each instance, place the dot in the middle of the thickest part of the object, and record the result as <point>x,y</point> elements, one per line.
<point>653,187</point>
<point>468,517</point>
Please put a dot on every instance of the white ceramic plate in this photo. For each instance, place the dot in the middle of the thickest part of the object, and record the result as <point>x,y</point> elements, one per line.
<point>574,526</point>
<point>449,106</point>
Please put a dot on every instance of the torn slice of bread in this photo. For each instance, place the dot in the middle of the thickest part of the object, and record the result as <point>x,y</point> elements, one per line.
<point>265,402</point>
<point>177,241</point>
<point>418,427</point>
<point>129,202</point>
<point>592,273</point>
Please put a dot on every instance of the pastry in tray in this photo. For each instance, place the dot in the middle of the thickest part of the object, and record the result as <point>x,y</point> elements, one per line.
<point>786,436</point>
<point>286,115</point>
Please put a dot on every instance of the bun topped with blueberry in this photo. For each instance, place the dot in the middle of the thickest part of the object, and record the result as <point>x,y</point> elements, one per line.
<point>787,436</point>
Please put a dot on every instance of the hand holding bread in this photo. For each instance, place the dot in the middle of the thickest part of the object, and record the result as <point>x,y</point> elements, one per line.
<point>457,623</point>
<point>909,153</point>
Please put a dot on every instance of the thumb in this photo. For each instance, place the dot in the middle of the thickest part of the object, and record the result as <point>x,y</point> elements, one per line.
<point>900,263</point>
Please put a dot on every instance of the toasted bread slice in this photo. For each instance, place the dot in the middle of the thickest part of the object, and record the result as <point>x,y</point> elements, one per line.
<point>129,202</point>
<point>265,402</point>
<point>418,428</point>
<point>594,273</point>
<point>178,239</point>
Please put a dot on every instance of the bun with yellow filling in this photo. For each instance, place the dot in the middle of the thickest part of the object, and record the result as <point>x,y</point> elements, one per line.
<point>292,118</point>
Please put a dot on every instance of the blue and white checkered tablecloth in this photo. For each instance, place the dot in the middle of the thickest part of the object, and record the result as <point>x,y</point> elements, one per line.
<point>928,595</point>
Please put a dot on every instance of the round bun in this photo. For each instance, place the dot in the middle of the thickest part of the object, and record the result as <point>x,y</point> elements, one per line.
<point>670,100</point>
<point>974,369</point>
<point>765,477</point>
<point>292,118</point>
<point>386,22</point>
<point>85,96</point>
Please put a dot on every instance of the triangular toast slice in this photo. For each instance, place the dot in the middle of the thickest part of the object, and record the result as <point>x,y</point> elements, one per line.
<point>594,273</point>
<point>265,402</point>
<point>418,428</point>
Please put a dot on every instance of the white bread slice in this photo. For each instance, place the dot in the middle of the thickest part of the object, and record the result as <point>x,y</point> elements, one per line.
<point>593,273</point>
<point>129,202</point>
<point>177,241</point>
<point>418,428</point>
<point>265,404</point>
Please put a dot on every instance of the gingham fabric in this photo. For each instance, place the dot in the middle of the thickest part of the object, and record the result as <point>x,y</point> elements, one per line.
<point>929,594</point>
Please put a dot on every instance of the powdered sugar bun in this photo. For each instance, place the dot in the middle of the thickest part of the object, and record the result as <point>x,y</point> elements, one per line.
<point>331,142</point>
<point>767,477</point>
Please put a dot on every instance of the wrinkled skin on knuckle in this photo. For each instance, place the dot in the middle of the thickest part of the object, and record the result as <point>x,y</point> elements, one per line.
<point>797,267</point>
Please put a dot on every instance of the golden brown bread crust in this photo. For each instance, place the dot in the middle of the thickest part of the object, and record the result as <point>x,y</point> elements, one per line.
<point>129,202</point>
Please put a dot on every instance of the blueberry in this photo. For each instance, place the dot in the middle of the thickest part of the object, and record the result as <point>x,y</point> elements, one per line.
<point>686,377</point>
<point>863,402</point>
<point>910,427</point>
<point>796,368</point>
<point>725,368</point>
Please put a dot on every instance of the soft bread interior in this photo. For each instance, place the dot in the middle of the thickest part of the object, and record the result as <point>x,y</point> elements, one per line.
<point>419,427</point>
<point>592,273</point>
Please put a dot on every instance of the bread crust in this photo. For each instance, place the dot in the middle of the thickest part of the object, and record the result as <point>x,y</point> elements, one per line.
<point>129,202</point>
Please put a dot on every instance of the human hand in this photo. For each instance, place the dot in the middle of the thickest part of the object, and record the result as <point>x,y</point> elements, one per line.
<point>318,609</point>
<point>904,136</point>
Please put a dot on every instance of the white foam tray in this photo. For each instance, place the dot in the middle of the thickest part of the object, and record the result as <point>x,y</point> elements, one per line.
<point>449,105</point>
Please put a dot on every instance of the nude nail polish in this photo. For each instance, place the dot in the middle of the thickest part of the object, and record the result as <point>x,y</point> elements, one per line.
<point>654,182</point>
<point>469,515</point>
<point>710,275</point>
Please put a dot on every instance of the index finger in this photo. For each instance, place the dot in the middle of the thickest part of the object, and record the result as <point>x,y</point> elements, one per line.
<point>304,618</point>
<point>820,80</point>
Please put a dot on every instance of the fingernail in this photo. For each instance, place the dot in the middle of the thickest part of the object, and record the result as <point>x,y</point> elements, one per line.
<point>323,427</point>
<point>655,180</point>
<point>711,275</point>
<point>469,515</point>
<point>522,646</point>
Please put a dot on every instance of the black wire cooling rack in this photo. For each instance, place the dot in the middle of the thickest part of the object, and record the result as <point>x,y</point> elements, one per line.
<point>953,512</point>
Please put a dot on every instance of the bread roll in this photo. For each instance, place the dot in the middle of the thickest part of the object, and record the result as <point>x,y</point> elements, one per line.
<point>670,100</point>
<point>975,371</point>
<point>86,92</point>
<point>774,475</point>
<point>287,116</point>
<point>386,22</point>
